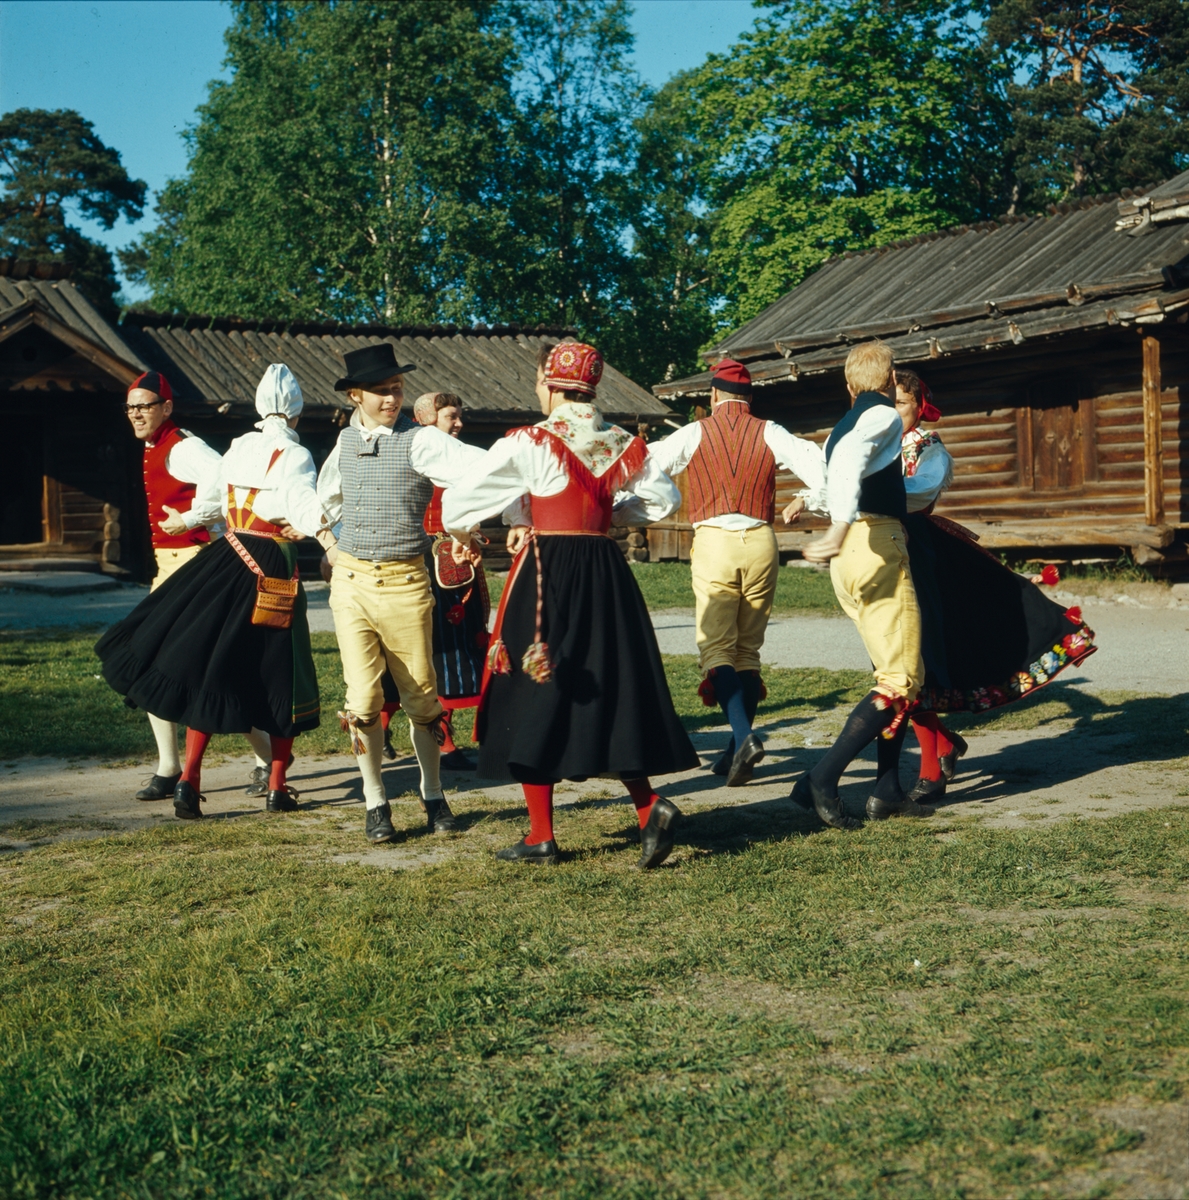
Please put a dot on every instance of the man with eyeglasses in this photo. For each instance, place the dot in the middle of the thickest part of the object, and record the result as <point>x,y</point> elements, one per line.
<point>181,482</point>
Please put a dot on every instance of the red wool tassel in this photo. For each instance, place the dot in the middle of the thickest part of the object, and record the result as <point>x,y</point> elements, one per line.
<point>455,614</point>
<point>1050,576</point>
<point>706,691</point>
<point>499,661</point>
<point>1074,614</point>
<point>535,663</point>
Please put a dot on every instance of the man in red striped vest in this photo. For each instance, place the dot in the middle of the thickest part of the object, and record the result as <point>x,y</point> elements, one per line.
<point>732,458</point>
<point>181,483</point>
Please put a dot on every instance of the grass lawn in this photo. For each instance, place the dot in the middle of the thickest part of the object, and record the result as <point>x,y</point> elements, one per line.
<point>667,585</point>
<point>918,1009</point>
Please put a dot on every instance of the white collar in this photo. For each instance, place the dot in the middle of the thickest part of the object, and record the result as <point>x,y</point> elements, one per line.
<point>369,434</point>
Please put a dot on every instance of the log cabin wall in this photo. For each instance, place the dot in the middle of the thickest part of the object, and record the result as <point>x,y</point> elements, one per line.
<point>1047,440</point>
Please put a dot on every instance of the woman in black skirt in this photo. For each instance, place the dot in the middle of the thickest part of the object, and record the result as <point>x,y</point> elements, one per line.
<point>192,652</point>
<point>988,635</point>
<point>574,687</point>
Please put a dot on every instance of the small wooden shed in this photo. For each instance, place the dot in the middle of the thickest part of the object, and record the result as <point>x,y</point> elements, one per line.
<point>72,490</point>
<point>1056,347</point>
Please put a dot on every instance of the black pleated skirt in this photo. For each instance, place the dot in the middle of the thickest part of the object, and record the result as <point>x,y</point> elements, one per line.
<point>989,636</point>
<point>607,710</point>
<point>189,652</point>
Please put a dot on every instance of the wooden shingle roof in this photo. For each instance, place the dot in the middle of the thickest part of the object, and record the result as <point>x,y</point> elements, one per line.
<point>974,287</point>
<point>220,361</point>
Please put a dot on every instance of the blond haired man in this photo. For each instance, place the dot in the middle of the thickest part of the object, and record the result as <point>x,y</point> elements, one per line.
<point>868,556</point>
<point>375,487</point>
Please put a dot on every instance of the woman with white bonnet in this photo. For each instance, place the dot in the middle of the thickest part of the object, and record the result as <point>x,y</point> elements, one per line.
<point>223,645</point>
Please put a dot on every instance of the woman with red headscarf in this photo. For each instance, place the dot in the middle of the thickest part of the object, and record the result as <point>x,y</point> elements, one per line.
<point>988,635</point>
<point>574,685</point>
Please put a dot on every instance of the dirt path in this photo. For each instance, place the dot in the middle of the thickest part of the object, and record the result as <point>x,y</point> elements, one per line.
<point>1007,779</point>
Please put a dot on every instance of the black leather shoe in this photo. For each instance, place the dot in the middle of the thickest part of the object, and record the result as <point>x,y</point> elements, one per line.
<point>656,838</point>
<point>186,801</point>
<point>722,765</point>
<point>879,809</point>
<point>927,791</point>
<point>829,808</point>
<point>543,853</point>
<point>746,758</point>
<point>257,782</point>
<point>457,760</point>
<point>160,787</point>
<point>281,800</point>
<point>378,827</point>
<point>949,762</point>
<point>438,816</point>
<point>389,752</point>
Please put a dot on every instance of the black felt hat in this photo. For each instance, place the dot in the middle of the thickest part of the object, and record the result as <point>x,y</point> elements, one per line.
<point>372,364</point>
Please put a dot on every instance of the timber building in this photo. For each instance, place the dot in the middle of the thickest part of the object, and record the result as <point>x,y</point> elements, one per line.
<point>72,492</point>
<point>1056,347</point>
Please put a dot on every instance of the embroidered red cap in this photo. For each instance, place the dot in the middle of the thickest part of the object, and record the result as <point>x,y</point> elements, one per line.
<point>731,376</point>
<point>574,367</point>
<point>155,382</point>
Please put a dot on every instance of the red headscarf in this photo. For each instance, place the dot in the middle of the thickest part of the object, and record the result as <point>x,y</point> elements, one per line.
<point>929,410</point>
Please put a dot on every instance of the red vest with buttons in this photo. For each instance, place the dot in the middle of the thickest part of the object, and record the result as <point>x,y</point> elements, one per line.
<point>733,470</point>
<point>161,489</point>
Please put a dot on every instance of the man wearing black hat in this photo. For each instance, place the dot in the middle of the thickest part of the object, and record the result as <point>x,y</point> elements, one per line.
<point>732,457</point>
<point>375,486</point>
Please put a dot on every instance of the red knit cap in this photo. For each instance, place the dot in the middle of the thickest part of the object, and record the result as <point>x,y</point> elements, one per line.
<point>574,367</point>
<point>155,382</point>
<point>731,376</point>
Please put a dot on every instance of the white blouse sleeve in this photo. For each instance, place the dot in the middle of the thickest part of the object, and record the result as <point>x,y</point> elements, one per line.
<point>934,473</point>
<point>330,486</point>
<point>299,490</point>
<point>804,459</point>
<point>489,487</point>
<point>193,461</point>
<point>672,454</point>
<point>650,495</point>
<point>443,459</point>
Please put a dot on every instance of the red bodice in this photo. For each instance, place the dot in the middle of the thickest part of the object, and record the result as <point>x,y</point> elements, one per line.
<point>433,514</point>
<point>577,508</point>
<point>161,489</point>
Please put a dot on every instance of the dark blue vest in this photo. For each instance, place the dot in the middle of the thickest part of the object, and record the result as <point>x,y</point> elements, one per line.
<point>882,492</point>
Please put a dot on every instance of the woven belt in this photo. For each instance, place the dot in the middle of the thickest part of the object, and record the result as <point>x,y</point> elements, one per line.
<point>570,533</point>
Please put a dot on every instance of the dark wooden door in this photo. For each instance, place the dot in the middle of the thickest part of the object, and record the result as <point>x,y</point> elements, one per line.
<point>1056,448</point>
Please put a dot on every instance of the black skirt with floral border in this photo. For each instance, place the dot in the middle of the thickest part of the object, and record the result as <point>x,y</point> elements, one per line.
<point>989,636</point>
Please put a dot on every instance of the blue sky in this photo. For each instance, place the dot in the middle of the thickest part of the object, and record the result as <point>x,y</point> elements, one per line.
<point>138,69</point>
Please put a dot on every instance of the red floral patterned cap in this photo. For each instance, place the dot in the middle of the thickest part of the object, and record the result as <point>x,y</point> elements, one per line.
<point>574,367</point>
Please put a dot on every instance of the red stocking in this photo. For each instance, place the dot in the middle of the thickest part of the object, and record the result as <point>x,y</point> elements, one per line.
<point>925,727</point>
<point>643,797</point>
<point>386,714</point>
<point>281,749</point>
<point>196,744</point>
<point>539,798</point>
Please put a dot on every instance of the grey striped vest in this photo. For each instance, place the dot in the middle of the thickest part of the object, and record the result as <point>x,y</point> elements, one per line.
<point>384,498</point>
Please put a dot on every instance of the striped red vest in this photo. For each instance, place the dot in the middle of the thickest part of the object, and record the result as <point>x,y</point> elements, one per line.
<point>732,470</point>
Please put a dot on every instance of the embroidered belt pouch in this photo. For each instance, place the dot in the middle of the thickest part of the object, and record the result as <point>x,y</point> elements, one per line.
<point>275,598</point>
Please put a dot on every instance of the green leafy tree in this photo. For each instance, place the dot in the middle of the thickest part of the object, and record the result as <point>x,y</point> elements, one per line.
<point>1102,98</point>
<point>349,170</point>
<point>53,164</point>
<point>836,126</point>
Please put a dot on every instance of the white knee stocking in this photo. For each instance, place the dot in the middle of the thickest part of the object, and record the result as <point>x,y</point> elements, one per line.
<point>166,735</point>
<point>261,745</point>
<point>429,758</point>
<point>372,737</point>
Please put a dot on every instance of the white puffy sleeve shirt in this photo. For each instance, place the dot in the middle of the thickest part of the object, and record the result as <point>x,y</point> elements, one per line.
<point>192,461</point>
<point>871,445</point>
<point>444,460</point>
<point>796,455</point>
<point>516,466</point>
<point>288,490</point>
<point>934,473</point>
